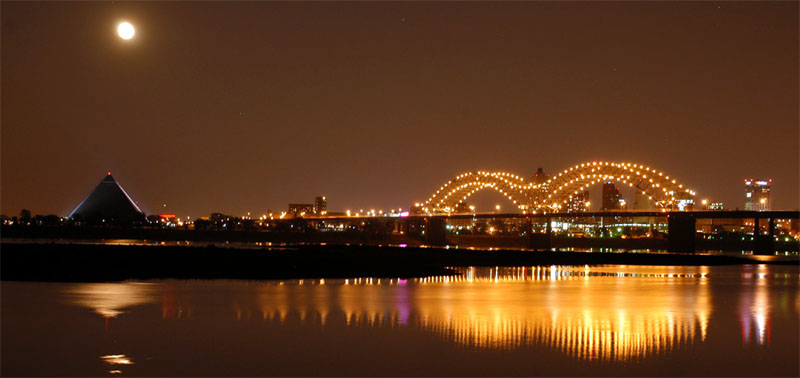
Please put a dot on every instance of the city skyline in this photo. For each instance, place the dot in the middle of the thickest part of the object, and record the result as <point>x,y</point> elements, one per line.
<point>609,194</point>
<point>248,107</point>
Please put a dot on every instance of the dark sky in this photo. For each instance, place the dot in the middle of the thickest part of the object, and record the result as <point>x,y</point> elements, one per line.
<point>248,106</point>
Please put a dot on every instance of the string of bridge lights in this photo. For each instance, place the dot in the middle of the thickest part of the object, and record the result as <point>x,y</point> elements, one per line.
<point>558,190</point>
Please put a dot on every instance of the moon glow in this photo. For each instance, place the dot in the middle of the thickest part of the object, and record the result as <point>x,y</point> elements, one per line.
<point>125,30</point>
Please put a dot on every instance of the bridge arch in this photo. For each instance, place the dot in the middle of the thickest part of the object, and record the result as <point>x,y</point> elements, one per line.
<point>463,186</point>
<point>551,195</point>
<point>663,190</point>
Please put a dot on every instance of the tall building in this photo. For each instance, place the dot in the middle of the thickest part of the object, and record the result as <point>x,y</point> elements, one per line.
<point>611,196</point>
<point>757,194</point>
<point>321,205</point>
<point>643,201</point>
<point>578,203</point>
<point>537,179</point>
<point>540,177</point>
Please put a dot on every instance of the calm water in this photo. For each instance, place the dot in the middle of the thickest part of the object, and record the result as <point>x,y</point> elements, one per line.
<point>598,320</point>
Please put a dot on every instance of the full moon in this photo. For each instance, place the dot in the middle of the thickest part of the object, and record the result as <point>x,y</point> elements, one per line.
<point>125,30</point>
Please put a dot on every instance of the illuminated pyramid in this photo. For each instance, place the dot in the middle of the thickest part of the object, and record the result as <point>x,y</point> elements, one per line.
<point>109,202</point>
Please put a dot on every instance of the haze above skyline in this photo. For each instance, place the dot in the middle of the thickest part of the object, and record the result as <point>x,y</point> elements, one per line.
<point>248,106</point>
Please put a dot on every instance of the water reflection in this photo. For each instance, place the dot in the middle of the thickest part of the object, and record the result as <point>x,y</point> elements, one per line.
<point>591,313</point>
<point>110,299</point>
<point>593,332</point>
<point>587,313</point>
<point>171,306</point>
<point>116,359</point>
<point>613,318</point>
<point>753,310</point>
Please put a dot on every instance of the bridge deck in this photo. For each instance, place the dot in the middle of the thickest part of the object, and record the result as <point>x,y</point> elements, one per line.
<point>700,214</point>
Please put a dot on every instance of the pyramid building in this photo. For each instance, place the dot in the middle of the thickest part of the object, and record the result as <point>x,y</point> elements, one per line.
<point>109,202</point>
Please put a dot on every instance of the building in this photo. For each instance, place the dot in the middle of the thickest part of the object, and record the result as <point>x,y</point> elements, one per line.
<point>108,203</point>
<point>611,196</point>
<point>578,203</point>
<point>643,201</point>
<point>684,201</point>
<point>321,205</point>
<point>757,194</point>
<point>787,227</point>
<point>538,179</point>
<point>300,209</point>
<point>722,225</point>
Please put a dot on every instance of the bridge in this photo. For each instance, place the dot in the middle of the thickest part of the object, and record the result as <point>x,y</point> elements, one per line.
<point>543,200</point>
<point>536,231</point>
<point>554,193</point>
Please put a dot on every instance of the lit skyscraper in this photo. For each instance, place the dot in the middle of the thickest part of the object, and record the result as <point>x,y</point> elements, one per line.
<point>538,179</point>
<point>611,196</point>
<point>321,205</point>
<point>757,194</point>
<point>578,202</point>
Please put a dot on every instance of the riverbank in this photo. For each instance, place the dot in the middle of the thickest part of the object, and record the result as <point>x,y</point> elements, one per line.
<point>100,263</point>
<point>217,237</point>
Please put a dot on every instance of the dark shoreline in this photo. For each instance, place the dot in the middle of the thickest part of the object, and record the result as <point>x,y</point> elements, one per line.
<point>505,241</point>
<point>102,263</point>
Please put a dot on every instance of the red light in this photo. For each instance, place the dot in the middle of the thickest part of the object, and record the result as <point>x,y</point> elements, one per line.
<point>109,173</point>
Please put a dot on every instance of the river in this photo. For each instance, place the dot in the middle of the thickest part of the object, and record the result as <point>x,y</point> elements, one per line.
<point>504,321</point>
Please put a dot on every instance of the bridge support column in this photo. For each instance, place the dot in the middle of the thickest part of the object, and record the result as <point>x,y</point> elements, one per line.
<point>526,230</point>
<point>398,226</point>
<point>764,244</point>
<point>435,231</point>
<point>538,240</point>
<point>756,228</point>
<point>681,232</point>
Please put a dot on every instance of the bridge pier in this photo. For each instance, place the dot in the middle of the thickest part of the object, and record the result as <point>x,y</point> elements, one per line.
<point>763,244</point>
<point>436,231</point>
<point>536,240</point>
<point>681,232</point>
<point>401,226</point>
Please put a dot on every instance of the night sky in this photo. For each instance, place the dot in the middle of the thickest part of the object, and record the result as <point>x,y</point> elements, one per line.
<point>247,106</point>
